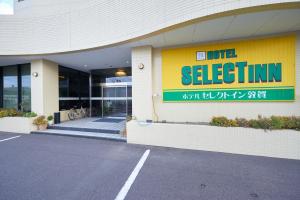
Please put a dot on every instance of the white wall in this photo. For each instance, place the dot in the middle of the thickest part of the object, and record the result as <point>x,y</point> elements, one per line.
<point>44,88</point>
<point>17,124</point>
<point>51,26</point>
<point>276,143</point>
<point>203,112</point>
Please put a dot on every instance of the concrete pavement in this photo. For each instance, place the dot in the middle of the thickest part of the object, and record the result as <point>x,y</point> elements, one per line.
<point>35,167</point>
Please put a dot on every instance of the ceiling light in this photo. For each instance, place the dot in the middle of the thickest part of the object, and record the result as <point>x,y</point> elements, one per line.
<point>120,73</point>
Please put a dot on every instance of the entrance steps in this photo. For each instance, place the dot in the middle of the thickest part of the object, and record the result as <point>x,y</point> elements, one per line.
<point>84,129</point>
<point>101,128</point>
<point>85,134</point>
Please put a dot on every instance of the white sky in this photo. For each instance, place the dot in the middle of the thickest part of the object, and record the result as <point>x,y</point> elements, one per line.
<point>6,7</point>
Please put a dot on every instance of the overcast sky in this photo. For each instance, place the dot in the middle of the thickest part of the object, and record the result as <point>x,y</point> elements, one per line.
<point>6,7</point>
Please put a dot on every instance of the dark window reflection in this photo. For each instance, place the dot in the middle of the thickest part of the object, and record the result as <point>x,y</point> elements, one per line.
<point>84,85</point>
<point>10,87</point>
<point>73,84</point>
<point>129,91</point>
<point>129,107</point>
<point>68,104</point>
<point>63,82</point>
<point>96,108</point>
<point>26,87</point>
<point>74,89</point>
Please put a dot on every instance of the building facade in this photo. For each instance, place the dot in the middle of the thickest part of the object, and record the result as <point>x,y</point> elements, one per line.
<point>157,61</point>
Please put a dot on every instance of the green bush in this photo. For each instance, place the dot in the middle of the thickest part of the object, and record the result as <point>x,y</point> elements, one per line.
<point>278,122</point>
<point>273,122</point>
<point>281,122</point>
<point>242,122</point>
<point>29,114</point>
<point>223,121</point>
<point>261,122</point>
<point>50,118</point>
<point>293,123</point>
<point>10,112</point>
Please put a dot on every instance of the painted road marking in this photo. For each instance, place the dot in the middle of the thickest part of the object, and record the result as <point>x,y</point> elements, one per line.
<point>10,138</point>
<point>126,187</point>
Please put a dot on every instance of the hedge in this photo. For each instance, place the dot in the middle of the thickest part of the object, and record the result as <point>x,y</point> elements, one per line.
<point>273,122</point>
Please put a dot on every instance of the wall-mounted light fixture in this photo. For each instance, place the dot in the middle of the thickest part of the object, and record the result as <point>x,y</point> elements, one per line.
<point>141,66</point>
<point>35,74</point>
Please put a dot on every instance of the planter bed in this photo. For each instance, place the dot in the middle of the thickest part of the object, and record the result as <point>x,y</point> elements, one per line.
<point>17,124</point>
<point>249,141</point>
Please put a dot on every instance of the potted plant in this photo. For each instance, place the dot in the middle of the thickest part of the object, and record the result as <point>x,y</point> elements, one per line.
<point>50,120</point>
<point>40,122</point>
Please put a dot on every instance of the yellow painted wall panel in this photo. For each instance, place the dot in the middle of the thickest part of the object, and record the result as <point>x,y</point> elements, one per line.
<point>280,49</point>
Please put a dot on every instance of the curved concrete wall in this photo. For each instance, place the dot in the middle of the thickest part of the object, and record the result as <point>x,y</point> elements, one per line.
<point>52,26</point>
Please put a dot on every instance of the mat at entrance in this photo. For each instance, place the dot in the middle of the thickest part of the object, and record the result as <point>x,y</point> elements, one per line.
<point>109,120</point>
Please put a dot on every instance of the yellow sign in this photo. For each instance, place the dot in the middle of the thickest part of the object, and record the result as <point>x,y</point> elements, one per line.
<point>250,70</point>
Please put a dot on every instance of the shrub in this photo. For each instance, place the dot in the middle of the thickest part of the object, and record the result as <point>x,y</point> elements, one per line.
<point>3,113</point>
<point>41,120</point>
<point>223,121</point>
<point>29,114</point>
<point>242,122</point>
<point>260,122</point>
<point>278,122</point>
<point>273,122</point>
<point>263,123</point>
<point>293,123</point>
<point>10,112</point>
<point>50,118</point>
<point>219,121</point>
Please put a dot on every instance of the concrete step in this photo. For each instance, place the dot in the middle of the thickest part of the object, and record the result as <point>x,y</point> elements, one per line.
<point>94,130</point>
<point>85,134</point>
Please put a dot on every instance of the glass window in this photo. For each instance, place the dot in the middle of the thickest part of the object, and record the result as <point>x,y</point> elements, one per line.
<point>10,87</point>
<point>26,88</point>
<point>114,91</point>
<point>1,87</point>
<point>96,108</point>
<point>84,85</point>
<point>114,108</point>
<point>129,91</point>
<point>96,85</point>
<point>68,104</point>
<point>111,75</point>
<point>63,82</point>
<point>129,107</point>
<point>75,84</point>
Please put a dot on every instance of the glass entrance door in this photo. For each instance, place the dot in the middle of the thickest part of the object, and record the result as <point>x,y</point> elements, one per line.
<point>115,99</point>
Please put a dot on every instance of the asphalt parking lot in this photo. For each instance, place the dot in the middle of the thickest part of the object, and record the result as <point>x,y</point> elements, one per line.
<point>44,167</point>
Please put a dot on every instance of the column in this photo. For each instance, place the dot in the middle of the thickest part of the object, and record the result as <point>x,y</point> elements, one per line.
<point>44,87</point>
<point>142,106</point>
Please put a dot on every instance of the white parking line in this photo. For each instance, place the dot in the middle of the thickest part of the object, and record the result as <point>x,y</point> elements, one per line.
<point>10,138</point>
<point>126,187</point>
